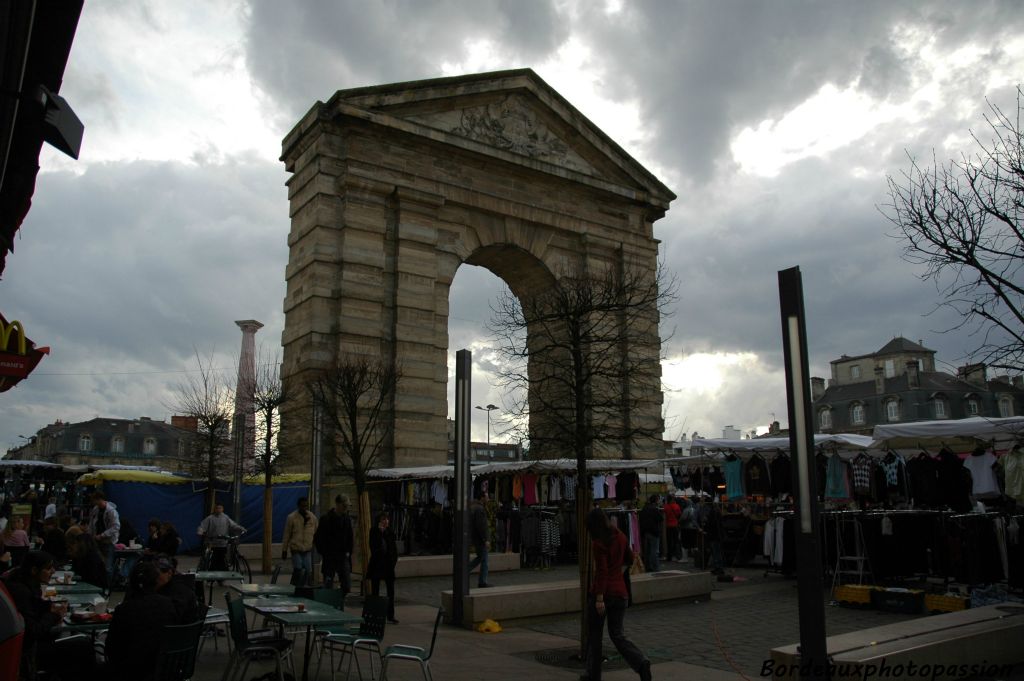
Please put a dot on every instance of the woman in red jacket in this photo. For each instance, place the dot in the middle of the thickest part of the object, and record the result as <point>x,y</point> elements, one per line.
<point>607,599</point>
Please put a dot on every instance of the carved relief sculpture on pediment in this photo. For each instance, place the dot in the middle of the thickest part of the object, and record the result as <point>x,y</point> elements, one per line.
<point>512,125</point>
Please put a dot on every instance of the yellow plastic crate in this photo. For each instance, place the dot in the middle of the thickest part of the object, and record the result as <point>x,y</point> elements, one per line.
<point>944,603</point>
<point>858,594</point>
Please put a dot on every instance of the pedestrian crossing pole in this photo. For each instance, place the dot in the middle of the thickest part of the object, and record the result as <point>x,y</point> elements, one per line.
<point>813,650</point>
<point>463,482</point>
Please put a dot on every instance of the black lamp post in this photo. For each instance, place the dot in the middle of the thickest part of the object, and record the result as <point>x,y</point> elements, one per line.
<point>489,408</point>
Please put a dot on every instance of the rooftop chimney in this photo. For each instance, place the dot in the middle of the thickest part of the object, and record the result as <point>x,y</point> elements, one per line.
<point>974,374</point>
<point>817,388</point>
<point>913,379</point>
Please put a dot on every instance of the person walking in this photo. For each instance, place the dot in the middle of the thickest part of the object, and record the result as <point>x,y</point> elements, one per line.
<point>480,536</point>
<point>651,524</point>
<point>334,540</point>
<point>299,530</point>
<point>607,599</point>
<point>215,530</point>
<point>383,558</point>
<point>105,527</point>
<point>672,513</point>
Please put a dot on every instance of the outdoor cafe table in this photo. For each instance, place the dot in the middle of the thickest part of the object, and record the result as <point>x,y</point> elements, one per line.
<point>76,599</point>
<point>313,614</point>
<point>252,590</point>
<point>211,576</point>
<point>80,588</point>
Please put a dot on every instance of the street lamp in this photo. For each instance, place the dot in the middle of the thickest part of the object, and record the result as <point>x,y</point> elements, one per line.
<point>489,408</point>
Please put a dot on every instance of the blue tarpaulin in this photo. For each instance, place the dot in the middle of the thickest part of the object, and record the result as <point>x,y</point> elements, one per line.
<point>182,505</point>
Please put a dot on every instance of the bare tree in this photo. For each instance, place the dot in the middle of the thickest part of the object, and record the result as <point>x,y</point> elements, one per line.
<point>208,400</point>
<point>268,397</point>
<point>576,359</point>
<point>962,221</point>
<point>355,397</point>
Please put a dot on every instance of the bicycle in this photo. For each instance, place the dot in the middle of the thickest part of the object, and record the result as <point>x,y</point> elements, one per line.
<point>233,559</point>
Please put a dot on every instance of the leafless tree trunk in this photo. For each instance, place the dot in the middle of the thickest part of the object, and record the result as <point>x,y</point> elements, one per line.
<point>355,397</point>
<point>962,222</point>
<point>572,359</point>
<point>207,399</point>
<point>268,397</point>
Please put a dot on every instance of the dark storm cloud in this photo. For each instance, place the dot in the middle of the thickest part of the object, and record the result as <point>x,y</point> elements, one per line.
<point>299,54</point>
<point>129,268</point>
<point>702,71</point>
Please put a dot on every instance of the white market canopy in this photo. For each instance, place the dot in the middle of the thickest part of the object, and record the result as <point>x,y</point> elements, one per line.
<point>932,433</point>
<point>777,444</point>
<point>539,466</point>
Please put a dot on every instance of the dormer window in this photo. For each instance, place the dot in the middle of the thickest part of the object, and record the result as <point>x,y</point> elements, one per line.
<point>857,414</point>
<point>825,419</point>
<point>117,444</point>
<point>85,442</point>
<point>855,371</point>
<point>940,408</point>
<point>972,407</point>
<point>149,446</point>
<point>1005,407</point>
<point>892,409</point>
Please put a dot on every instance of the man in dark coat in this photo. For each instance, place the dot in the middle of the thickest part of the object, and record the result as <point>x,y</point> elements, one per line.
<point>334,540</point>
<point>480,536</point>
<point>178,589</point>
<point>651,522</point>
<point>136,628</point>
<point>383,558</point>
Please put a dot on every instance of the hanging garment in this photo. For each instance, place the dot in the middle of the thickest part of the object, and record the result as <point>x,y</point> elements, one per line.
<point>1013,473</point>
<point>542,489</point>
<point>569,487</point>
<point>983,476</point>
<point>836,486</point>
<point>734,479</point>
<point>626,485</point>
<point>597,483</point>
<point>609,483</point>
<point>861,468</point>
<point>923,472</point>
<point>555,488</point>
<point>517,486</point>
<point>755,476</point>
<point>529,489</point>
<point>439,492</point>
<point>954,482</point>
<point>781,475</point>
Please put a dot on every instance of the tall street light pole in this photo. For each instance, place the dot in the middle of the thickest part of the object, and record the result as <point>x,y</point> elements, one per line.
<point>489,408</point>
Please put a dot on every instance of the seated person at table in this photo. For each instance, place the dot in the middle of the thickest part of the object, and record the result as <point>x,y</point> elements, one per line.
<point>153,537</point>
<point>15,540</point>
<point>133,640</point>
<point>178,588</point>
<point>87,562</point>
<point>54,542</point>
<point>170,540</point>
<point>25,585</point>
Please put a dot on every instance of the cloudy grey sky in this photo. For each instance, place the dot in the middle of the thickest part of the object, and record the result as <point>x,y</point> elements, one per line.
<point>776,124</point>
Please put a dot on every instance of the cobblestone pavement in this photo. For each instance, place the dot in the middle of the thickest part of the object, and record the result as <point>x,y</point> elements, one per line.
<point>741,623</point>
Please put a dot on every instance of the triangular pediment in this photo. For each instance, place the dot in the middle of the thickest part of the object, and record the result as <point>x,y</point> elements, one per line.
<point>511,112</point>
<point>511,123</point>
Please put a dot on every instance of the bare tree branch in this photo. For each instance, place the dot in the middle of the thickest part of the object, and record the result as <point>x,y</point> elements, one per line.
<point>962,222</point>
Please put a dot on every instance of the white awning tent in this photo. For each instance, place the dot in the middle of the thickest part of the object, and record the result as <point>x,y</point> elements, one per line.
<point>846,444</point>
<point>540,466</point>
<point>1000,432</point>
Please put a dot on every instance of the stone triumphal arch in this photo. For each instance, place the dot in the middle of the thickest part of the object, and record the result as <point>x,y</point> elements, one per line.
<point>393,187</point>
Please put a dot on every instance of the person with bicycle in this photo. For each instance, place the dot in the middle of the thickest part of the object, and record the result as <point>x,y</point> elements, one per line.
<point>215,530</point>
<point>299,530</point>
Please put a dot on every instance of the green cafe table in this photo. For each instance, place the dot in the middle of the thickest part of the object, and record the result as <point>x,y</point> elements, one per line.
<point>251,590</point>
<point>211,576</point>
<point>79,588</point>
<point>284,611</point>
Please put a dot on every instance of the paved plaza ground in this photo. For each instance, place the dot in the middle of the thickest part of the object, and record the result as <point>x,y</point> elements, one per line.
<point>724,638</point>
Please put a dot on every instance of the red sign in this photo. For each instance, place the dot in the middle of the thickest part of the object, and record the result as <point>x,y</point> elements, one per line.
<point>18,361</point>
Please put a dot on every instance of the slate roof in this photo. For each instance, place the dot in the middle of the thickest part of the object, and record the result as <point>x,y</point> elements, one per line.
<point>894,347</point>
<point>931,381</point>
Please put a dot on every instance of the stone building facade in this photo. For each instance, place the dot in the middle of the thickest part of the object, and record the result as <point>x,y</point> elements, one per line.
<point>394,187</point>
<point>899,383</point>
<point>104,441</point>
